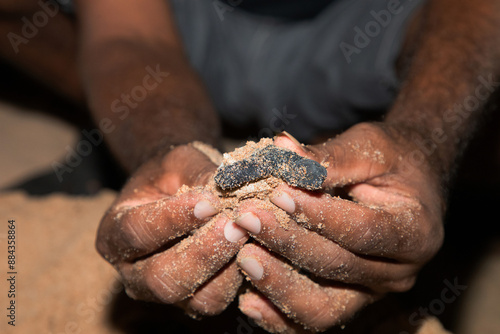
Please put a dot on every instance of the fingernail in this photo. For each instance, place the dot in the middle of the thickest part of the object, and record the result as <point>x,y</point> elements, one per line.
<point>249,221</point>
<point>254,314</point>
<point>204,209</point>
<point>292,138</point>
<point>286,140</point>
<point>252,267</point>
<point>284,201</point>
<point>233,232</point>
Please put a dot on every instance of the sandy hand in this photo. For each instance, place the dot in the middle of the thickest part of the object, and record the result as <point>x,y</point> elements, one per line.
<point>378,240</point>
<point>144,235</point>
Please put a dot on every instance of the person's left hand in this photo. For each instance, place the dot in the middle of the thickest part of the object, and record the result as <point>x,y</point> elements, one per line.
<point>173,247</point>
<point>354,250</point>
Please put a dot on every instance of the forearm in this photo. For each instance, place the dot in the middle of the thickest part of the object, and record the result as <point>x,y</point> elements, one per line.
<point>136,76</point>
<point>451,75</point>
<point>50,56</point>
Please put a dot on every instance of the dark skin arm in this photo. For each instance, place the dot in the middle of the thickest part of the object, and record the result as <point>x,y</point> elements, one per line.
<point>128,48</point>
<point>397,172</point>
<point>146,98</point>
<point>452,73</point>
<point>115,53</point>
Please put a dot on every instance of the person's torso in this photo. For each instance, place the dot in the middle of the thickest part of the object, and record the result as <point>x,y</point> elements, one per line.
<point>287,9</point>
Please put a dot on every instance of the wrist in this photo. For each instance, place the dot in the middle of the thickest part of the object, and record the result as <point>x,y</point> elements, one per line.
<point>426,148</point>
<point>440,120</point>
<point>153,101</point>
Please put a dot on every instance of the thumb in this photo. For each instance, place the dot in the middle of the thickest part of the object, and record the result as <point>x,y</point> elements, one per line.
<point>286,140</point>
<point>352,157</point>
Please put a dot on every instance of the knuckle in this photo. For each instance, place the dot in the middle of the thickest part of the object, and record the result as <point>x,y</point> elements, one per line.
<point>368,237</point>
<point>371,234</point>
<point>208,303</point>
<point>335,154</point>
<point>133,281</point>
<point>323,319</point>
<point>196,168</point>
<point>134,234</point>
<point>425,241</point>
<point>336,267</point>
<point>214,296</point>
<point>331,152</point>
<point>164,287</point>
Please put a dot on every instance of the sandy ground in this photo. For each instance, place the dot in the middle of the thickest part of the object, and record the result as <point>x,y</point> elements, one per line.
<point>63,286</point>
<point>23,151</point>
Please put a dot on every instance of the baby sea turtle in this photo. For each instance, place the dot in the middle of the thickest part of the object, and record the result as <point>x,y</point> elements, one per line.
<point>274,161</point>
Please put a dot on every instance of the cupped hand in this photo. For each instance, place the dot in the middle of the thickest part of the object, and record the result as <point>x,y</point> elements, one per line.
<point>144,232</point>
<point>337,254</point>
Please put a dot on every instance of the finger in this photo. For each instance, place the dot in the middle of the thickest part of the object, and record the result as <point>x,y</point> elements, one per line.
<point>176,273</point>
<point>183,165</point>
<point>260,309</point>
<point>286,140</point>
<point>372,231</point>
<point>315,306</point>
<point>193,164</point>
<point>352,157</point>
<point>321,256</point>
<point>137,231</point>
<point>217,293</point>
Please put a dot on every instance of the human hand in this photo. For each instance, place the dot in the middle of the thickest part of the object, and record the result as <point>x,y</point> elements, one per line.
<point>355,250</point>
<point>142,235</point>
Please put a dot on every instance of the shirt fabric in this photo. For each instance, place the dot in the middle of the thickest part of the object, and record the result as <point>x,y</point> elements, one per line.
<point>313,74</point>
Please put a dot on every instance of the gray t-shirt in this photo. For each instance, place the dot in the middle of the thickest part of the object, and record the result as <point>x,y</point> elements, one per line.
<point>306,76</point>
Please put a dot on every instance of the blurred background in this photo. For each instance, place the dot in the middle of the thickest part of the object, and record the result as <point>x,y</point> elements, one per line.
<point>64,284</point>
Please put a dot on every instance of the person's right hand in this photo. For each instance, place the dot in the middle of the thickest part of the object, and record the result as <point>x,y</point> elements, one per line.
<point>143,235</point>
